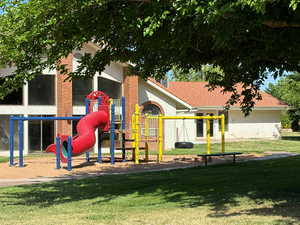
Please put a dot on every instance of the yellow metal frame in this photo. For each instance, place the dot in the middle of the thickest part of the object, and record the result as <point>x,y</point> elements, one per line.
<point>208,138</point>
<point>161,118</point>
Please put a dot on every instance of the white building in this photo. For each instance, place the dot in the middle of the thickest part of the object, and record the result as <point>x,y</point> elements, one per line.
<point>48,95</point>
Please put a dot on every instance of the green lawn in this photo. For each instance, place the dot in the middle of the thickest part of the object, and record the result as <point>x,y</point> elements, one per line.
<point>4,159</point>
<point>253,146</point>
<point>262,192</point>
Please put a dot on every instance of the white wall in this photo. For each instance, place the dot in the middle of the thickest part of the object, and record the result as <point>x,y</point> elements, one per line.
<point>148,93</point>
<point>114,72</point>
<point>260,124</point>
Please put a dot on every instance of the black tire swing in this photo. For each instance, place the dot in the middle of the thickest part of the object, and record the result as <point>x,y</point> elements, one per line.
<point>185,143</point>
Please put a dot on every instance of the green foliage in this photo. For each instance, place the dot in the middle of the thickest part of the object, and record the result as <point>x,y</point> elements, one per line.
<point>288,90</point>
<point>243,38</point>
<point>285,120</point>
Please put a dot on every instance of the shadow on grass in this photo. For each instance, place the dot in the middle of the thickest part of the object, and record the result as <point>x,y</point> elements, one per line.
<point>291,138</point>
<point>219,187</point>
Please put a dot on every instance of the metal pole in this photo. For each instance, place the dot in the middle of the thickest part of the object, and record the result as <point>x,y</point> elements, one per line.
<point>208,136</point>
<point>123,147</point>
<point>112,134</point>
<point>69,153</point>
<point>133,135</point>
<point>46,118</point>
<point>223,132</point>
<point>86,101</point>
<point>21,144</point>
<point>160,138</point>
<point>11,141</point>
<point>99,155</point>
<point>146,129</point>
<point>58,153</point>
<point>123,102</point>
<point>137,150</point>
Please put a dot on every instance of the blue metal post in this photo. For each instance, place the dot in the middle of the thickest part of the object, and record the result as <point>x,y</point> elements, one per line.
<point>99,156</point>
<point>46,118</point>
<point>11,141</point>
<point>87,101</point>
<point>123,113</point>
<point>112,135</point>
<point>123,126</point>
<point>21,140</point>
<point>58,153</point>
<point>69,153</point>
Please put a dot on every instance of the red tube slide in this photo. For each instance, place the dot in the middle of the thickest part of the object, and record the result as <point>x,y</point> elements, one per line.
<point>86,127</point>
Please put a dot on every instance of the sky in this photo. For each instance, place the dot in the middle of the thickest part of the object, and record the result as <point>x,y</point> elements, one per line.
<point>268,81</point>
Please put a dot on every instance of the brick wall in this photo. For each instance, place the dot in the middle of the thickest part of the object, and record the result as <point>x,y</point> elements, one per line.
<point>131,90</point>
<point>64,98</point>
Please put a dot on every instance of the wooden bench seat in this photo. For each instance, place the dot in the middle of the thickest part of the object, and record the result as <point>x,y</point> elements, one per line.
<point>219,154</point>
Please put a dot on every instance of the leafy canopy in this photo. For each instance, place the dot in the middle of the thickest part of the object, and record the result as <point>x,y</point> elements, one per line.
<point>244,38</point>
<point>288,90</point>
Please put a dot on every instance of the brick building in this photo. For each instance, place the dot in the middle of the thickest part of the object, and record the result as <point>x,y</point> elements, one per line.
<point>49,95</point>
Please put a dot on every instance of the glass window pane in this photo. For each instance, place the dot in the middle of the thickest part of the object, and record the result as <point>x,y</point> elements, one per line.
<point>225,112</point>
<point>74,125</point>
<point>151,109</point>
<point>34,131</point>
<point>4,133</point>
<point>41,133</point>
<point>199,126</point>
<point>48,133</point>
<point>14,98</point>
<point>109,87</point>
<point>41,90</point>
<point>80,89</point>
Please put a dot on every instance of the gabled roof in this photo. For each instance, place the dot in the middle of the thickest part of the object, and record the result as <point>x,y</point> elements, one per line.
<point>168,92</point>
<point>198,95</point>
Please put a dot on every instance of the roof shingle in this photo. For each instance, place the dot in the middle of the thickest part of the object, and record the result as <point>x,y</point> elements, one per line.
<point>198,95</point>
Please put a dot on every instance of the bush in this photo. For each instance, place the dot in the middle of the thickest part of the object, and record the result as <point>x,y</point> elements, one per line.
<point>285,121</point>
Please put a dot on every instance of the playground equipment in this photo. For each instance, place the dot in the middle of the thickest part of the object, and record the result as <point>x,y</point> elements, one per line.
<point>186,142</point>
<point>85,139</point>
<point>144,130</point>
<point>66,147</point>
<point>105,113</point>
<point>161,119</point>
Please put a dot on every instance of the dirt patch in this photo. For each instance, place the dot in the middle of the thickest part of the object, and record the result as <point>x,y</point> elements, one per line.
<point>43,168</point>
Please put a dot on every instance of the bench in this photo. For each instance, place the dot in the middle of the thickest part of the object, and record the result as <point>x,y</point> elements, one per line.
<point>219,154</point>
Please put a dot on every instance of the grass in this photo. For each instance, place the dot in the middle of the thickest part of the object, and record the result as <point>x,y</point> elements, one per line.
<point>289,142</point>
<point>253,146</point>
<point>3,159</point>
<point>262,192</point>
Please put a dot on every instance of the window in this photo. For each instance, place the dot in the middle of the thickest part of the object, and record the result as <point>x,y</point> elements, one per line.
<point>211,123</point>
<point>199,126</point>
<point>41,90</point>
<point>110,87</point>
<point>80,89</point>
<point>74,125</point>
<point>41,134</point>
<point>14,98</point>
<point>4,133</point>
<point>151,109</point>
<point>225,112</point>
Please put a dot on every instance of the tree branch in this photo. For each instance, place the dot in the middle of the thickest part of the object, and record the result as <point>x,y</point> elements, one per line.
<point>280,24</point>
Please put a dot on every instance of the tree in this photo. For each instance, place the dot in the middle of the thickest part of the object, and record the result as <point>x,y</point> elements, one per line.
<point>288,90</point>
<point>244,38</point>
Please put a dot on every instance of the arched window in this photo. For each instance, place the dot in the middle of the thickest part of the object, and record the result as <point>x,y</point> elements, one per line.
<point>151,109</point>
